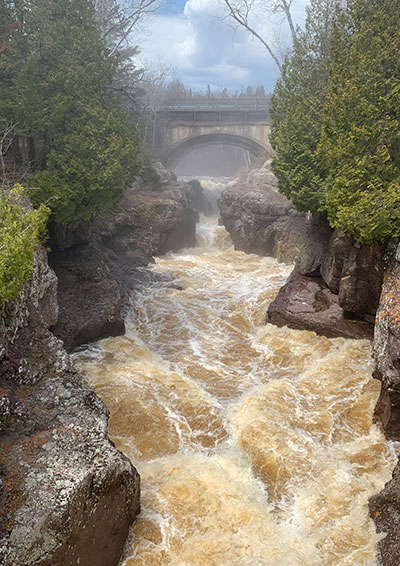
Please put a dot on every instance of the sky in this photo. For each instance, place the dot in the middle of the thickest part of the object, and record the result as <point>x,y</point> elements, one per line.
<point>201,47</point>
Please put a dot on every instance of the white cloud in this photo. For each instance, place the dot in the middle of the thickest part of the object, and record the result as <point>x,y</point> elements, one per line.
<point>205,49</point>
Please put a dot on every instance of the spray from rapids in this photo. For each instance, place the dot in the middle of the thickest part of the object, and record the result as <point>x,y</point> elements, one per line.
<point>255,444</point>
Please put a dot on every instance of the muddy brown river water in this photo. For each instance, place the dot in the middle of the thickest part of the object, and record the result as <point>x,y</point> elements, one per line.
<point>255,444</point>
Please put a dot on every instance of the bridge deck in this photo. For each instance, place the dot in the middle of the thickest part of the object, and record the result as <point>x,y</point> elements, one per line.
<point>218,104</point>
<point>215,110</point>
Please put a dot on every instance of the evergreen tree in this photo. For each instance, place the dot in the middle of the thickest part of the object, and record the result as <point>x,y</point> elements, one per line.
<point>260,92</point>
<point>12,55</point>
<point>361,136</point>
<point>60,93</point>
<point>116,20</point>
<point>297,109</point>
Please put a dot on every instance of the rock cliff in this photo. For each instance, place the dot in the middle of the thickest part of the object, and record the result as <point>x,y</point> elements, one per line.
<point>66,493</point>
<point>386,349</point>
<point>99,265</point>
<point>385,507</point>
<point>260,220</point>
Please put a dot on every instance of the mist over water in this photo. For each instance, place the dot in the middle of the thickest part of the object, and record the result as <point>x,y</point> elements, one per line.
<point>215,160</point>
<point>255,444</point>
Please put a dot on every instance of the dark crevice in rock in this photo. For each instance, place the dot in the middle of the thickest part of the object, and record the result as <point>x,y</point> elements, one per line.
<point>98,277</point>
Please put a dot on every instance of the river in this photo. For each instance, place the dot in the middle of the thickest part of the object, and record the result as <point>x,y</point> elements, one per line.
<point>255,444</point>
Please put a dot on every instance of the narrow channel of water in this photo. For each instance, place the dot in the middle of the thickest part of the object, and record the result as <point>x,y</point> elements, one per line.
<point>255,444</point>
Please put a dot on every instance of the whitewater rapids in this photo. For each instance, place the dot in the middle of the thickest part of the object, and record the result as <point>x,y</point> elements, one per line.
<point>255,444</point>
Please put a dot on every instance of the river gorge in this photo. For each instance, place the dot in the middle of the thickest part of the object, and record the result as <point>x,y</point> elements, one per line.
<point>255,444</point>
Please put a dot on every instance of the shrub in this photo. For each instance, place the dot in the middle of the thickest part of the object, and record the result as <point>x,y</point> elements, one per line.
<point>20,231</point>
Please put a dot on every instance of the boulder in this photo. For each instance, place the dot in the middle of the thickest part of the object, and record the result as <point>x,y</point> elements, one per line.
<point>305,303</point>
<point>260,220</point>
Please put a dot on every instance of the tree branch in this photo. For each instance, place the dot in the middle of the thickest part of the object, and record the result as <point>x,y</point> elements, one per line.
<point>6,137</point>
<point>242,20</point>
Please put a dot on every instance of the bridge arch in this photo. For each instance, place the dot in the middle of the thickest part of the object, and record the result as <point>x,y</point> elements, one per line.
<point>173,155</point>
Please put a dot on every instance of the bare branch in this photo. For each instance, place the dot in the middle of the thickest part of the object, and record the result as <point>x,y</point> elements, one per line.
<point>6,137</point>
<point>245,11</point>
<point>118,21</point>
<point>286,5</point>
<point>241,15</point>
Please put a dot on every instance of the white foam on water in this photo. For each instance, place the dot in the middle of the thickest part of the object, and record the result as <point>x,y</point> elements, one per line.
<point>255,444</point>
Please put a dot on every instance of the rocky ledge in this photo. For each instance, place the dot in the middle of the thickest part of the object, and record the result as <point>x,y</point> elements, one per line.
<point>99,265</point>
<point>260,220</point>
<point>335,287</point>
<point>306,303</point>
<point>67,495</point>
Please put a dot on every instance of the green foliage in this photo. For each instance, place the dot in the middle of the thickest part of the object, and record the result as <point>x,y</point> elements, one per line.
<point>61,92</point>
<point>361,136</point>
<point>20,231</point>
<point>147,171</point>
<point>147,211</point>
<point>336,119</point>
<point>89,165</point>
<point>297,111</point>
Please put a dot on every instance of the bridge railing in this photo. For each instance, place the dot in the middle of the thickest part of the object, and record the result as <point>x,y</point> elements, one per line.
<point>218,104</point>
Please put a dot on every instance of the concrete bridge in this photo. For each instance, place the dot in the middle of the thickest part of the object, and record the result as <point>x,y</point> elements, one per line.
<point>188,126</point>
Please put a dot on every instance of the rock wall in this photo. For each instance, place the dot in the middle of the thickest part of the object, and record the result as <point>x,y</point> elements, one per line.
<point>385,507</point>
<point>99,265</point>
<point>260,220</point>
<point>335,287</point>
<point>386,349</point>
<point>66,494</point>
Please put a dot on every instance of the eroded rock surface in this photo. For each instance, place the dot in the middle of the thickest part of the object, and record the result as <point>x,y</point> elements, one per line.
<point>307,303</point>
<point>386,349</point>
<point>385,511</point>
<point>349,276</point>
<point>260,220</point>
<point>100,265</point>
<point>385,507</point>
<point>67,496</point>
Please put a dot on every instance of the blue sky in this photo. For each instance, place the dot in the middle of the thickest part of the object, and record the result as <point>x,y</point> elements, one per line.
<point>192,38</point>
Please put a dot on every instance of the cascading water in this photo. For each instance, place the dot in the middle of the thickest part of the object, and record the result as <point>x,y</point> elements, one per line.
<point>255,444</point>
